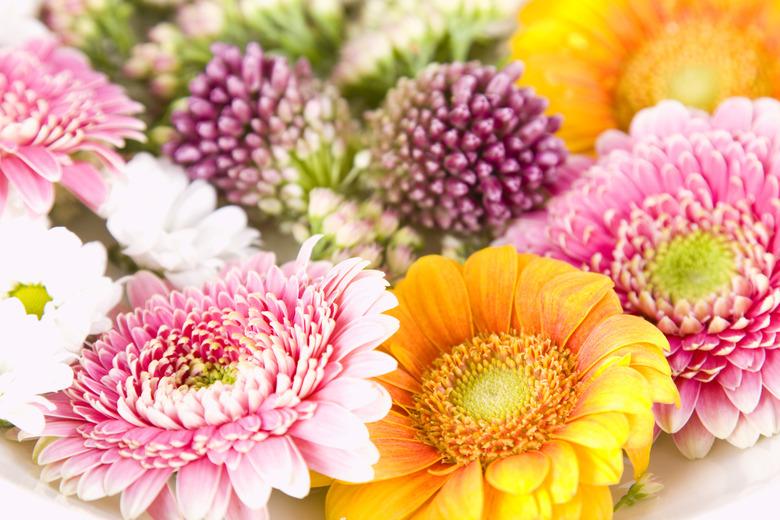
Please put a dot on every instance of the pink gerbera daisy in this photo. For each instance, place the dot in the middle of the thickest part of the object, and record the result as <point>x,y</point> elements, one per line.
<point>683,214</point>
<point>52,107</point>
<point>234,389</point>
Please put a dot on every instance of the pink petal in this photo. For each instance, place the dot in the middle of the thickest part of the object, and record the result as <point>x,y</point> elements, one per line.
<point>353,465</point>
<point>142,286</point>
<point>196,487</point>
<point>78,464</point>
<point>250,488</point>
<point>139,496</point>
<point>747,395</point>
<point>41,161</point>
<point>62,449</point>
<point>222,499</point>
<point>164,506</point>
<point>86,183</point>
<point>671,418</point>
<point>90,485</point>
<point>3,192</point>
<point>368,364</point>
<point>744,435</point>
<point>331,425</point>
<point>364,334</point>
<point>764,418</point>
<point>36,192</point>
<point>716,412</point>
<point>693,440</point>
<point>735,114</point>
<point>770,373</point>
<point>369,397</point>
<point>122,474</point>
<point>279,463</point>
<point>237,510</point>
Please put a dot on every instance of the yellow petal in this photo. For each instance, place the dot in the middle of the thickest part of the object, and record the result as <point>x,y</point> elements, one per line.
<point>319,480</point>
<point>618,389</point>
<point>519,474</point>
<point>596,503</point>
<point>604,430</point>
<point>608,306</point>
<point>599,467</point>
<point>461,497</point>
<point>662,387</point>
<point>434,294</point>
<point>491,278</point>
<point>506,506</point>
<point>527,314</point>
<point>640,441</point>
<point>571,510</point>
<point>616,332</point>
<point>563,478</point>
<point>567,300</point>
<point>396,498</point>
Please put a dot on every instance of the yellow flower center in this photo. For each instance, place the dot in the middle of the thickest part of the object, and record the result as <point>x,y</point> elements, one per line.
<point>692,266</point>
<point>494,396</point>
<point>699,64</point>
<point>34,297</point>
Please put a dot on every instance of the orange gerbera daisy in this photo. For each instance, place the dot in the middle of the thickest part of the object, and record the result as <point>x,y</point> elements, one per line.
<point>600,61</point>
<point>521,383</point>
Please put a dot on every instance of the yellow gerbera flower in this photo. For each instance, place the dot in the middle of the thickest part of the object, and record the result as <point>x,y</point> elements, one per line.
<point>600,61</point>
<point>521,382</point>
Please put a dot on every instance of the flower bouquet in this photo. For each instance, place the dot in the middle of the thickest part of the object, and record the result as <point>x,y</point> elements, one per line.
<point>388,259</point>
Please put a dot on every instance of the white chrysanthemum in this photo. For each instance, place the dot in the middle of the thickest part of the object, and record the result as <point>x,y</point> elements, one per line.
<point>19,21</point>
<point>33,361</point>
<point>168,224</point>
<point>58,280</point>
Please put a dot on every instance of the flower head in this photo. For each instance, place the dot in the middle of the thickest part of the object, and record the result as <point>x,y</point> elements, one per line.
<point>262,130</point>
<point>358,228</point>
<point>681,214</point>
<point>168,224</point>
<point>234,389</point>
<point>521,383</point>
<point>461,148</point>
<point>57,279</point>
<point>56,111</point>
<point>599,62</point>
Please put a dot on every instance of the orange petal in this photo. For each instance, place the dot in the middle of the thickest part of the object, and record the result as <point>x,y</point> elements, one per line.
<point>564,472</point>
<point>596,503</point>
<point>401,387</point>
<point>491,277</point>
<point>527,314</point>
<point>618,389</point>
<point>604,430</point>
<point>519,474</point>
<point>319,480</point>
<point>409,345</point>
<point>434,293</point>
<point>401,452</point>
<point>461,497</point>
<point>616,332</point>
<point>567,300</point>
<point>608,306</point>
<point>393,499</point>
<point>599,467</point>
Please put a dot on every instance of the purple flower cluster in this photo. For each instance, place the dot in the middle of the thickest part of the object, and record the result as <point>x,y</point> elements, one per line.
<point>251,121</point>
<point>462,148</point>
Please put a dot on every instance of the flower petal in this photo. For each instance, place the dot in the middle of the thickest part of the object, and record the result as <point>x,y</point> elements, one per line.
<point>519,474</point>
<point>279,463</point>
<point>671,418</point>
<point>396,498</point>
<point>36,192</point>
<point>599,467</point>
<point>596,503</point>
<point>86,183</point>
<point>694,440</point>
<point>401,452</point>
<point>196,487</point>
<point>491,278</point>
<point>137,497</point>
<point>461,497</point>
<point>563,477</point>
<point>528,309</point>
<point>617,389</point>
<point>716,412</point>
<point>603,430</point>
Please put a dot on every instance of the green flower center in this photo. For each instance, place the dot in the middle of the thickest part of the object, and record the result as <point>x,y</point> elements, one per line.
<point>34,297</point>
<point>203,374</point>
<point>692,266</point>
<point>491,391</point>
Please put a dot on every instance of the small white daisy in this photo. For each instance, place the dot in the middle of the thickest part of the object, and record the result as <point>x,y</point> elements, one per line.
<point>58,280</point>
<point>33,361</point>
<point>170,225</point>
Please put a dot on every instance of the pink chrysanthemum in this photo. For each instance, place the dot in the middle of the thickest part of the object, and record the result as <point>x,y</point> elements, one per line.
<point>53,106</point>
<point>234,389</point>
<point>683,214</point>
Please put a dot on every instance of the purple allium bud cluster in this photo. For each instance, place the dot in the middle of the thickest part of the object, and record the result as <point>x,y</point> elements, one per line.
<point>264,131</point>
<point>462,148</point>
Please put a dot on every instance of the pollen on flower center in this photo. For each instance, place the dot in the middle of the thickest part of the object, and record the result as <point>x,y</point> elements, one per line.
<point>34,297</point>
<point>203,374</point>
<point>692,266</point>
<point>494,396</point>
<point>698,63</point>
